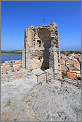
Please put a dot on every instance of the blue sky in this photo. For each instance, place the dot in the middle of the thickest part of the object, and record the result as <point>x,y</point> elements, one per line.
<point>16,16</point>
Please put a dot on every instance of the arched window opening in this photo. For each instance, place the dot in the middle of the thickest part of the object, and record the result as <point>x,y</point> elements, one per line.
<point>38,43</point>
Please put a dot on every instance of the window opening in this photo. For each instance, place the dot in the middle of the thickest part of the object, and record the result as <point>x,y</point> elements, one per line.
<point>39,43</point>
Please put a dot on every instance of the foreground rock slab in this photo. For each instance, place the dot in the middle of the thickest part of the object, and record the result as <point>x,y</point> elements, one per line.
<point>25,100</point>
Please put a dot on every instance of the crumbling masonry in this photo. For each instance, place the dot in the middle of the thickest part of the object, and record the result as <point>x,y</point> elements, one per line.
<point>41,48</point>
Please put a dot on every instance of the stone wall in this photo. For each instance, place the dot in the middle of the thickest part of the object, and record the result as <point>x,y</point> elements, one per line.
<point>41,48</point>
<point>23,58</point>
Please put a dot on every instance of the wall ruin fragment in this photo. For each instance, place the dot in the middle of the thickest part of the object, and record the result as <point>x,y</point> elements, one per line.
<point>41,48</point>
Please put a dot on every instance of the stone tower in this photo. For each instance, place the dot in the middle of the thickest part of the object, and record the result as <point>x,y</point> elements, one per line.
<point>41,48</point>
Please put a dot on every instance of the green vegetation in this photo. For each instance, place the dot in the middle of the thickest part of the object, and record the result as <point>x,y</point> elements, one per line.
<point>62,52</point>
<point>12,52</point>
<point>70,52</point>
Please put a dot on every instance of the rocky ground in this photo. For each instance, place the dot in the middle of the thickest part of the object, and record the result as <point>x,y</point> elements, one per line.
<point>23,99</point>
<point>14,75</point>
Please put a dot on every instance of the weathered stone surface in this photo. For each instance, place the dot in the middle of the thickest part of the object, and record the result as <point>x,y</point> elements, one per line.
<point>25,100</point>
<point>41,48</point>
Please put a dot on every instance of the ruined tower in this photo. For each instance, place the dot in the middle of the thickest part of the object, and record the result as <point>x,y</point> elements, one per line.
<point>41,48</point>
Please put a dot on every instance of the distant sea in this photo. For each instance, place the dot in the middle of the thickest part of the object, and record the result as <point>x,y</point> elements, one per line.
<point>10,57</point>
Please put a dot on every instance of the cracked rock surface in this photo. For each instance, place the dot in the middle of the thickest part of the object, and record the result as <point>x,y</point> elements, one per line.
<point>25,100</point>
